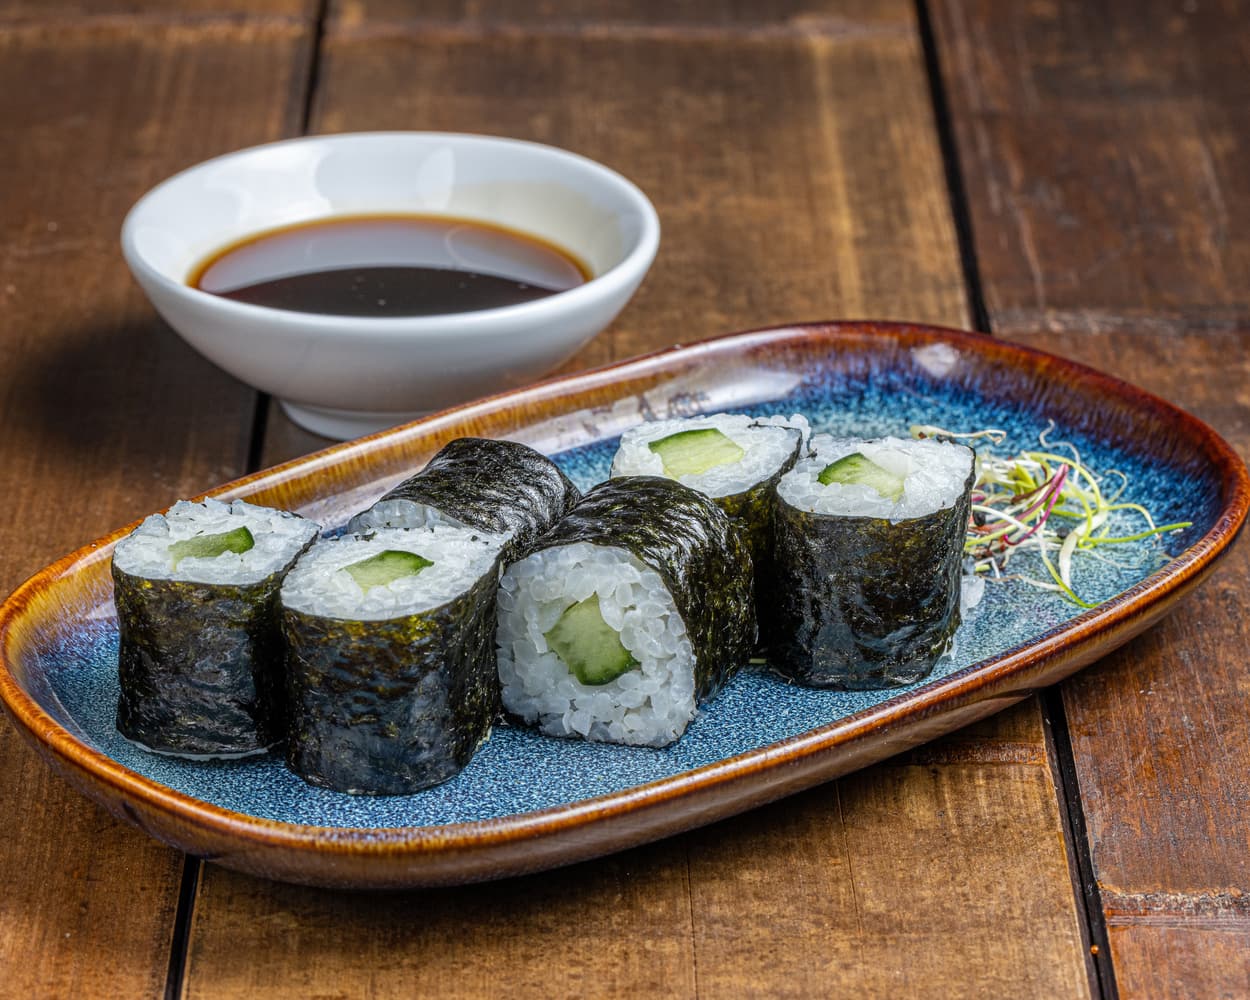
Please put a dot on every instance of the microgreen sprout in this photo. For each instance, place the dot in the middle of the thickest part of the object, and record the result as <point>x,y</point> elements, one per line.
<point>1046,501</point>
<point>994,435</point>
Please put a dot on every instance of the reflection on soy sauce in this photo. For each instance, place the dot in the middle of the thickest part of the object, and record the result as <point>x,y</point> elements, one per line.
<point>388,265</point>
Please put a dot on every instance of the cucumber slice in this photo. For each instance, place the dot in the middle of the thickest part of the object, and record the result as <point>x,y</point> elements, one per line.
<point>385,568</point>
<point>859,470</point>
<point>211,546</point>
<point>692,453</point>
<point>589,646</point>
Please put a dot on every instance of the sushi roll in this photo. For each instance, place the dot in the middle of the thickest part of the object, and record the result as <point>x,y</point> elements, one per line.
<point>735,459</point>
<point>390,658</point>
<point>200,659</point>
<point>499,487</point>
<point>636,607</point>
<point>869,547</point>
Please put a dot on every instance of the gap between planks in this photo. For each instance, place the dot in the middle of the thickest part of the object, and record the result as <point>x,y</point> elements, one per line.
<point>1003,751</point>
<point>180,941</point>
<point>1085,887</point>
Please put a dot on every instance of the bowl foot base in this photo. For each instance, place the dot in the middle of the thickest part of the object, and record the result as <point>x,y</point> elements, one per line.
<point>343,424</point>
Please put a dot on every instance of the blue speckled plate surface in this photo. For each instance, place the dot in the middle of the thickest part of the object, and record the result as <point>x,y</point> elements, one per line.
<point>864,393</point>
<point>755,710</point>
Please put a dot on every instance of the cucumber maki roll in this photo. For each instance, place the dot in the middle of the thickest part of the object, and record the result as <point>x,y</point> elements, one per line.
<point>200,660</point>
<point>636,607</point>
<point>869,551</point>
<point>498,487</point>
<point>390,658</point>
<point>735,459</point>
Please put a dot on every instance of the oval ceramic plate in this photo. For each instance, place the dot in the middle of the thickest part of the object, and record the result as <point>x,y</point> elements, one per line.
<point>528,802</point>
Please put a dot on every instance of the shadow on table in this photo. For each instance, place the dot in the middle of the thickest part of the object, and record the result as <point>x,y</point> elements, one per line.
<point>125,391</point>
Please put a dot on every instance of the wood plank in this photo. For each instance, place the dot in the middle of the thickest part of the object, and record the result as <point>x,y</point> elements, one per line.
<point>1158,728</point>
<point>107,416</point>
<point>135,12</point>
<point>615,928</point>
<point>1181,963</point>
<point>778,203</point>
<point>797,175</point>
<point>1102,148</point>
<point>101,402</point>
<point>916,881</point>
<point>625,926</point>
<point>852,17</point>
<point>904,228</point>
<point>1099,148</point>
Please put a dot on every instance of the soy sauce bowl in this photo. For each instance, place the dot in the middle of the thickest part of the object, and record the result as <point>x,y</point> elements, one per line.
<point>343,376</point>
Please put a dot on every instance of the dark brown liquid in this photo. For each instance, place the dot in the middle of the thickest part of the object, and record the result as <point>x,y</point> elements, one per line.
<point>388,265</point>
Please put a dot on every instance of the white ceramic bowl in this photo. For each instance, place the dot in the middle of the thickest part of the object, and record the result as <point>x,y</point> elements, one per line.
<point>342,376</point>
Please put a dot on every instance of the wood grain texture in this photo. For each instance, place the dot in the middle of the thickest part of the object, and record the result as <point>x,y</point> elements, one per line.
<point>107,416</point>
<point>1158,728</point>
<point>792,901</point>
<point>796,199</point>
<point>614,928</point>
<point>838,17</point>
<point>1182,963</point>
<point>98,397</point>
<point>1102,147</point>
<point>866,888</point>
<point>138,12</point>
<point>818,195</point>
<point>796,173</point>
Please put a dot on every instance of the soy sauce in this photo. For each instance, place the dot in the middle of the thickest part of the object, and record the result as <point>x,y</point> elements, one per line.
<point>388,265</point>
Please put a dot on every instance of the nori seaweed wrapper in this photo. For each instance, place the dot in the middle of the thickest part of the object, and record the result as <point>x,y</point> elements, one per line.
<point>492,486</point>
<point>200,665</point>
<point>698,552</point>
<point>863,602</point>
<point>753,511</point>
<point>391,707</point>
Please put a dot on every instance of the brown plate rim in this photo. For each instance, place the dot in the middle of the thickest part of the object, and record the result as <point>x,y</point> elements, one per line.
<point>1180,573</point>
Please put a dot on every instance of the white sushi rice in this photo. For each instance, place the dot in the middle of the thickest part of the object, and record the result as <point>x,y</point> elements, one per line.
<point>278,537</point>
<point>400,514</point>
<point>650,705</point>
<point>934,475</point>
<point>766,442</point>
<point>971,590</point>
<point>319,583</point>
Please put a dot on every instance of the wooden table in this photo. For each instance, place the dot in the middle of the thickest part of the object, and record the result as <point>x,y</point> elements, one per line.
<point>1066,173</point>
